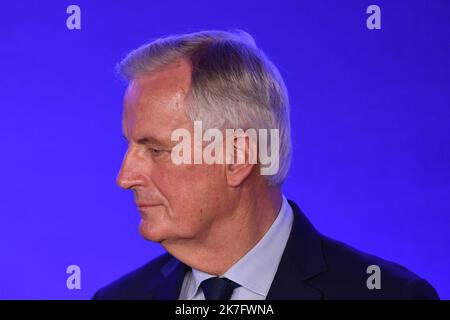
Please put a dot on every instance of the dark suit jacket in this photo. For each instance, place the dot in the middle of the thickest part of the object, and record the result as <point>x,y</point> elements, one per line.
<point>312,267</point>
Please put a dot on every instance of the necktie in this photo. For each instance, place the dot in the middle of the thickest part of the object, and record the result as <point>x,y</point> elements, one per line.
<point>218,288</point>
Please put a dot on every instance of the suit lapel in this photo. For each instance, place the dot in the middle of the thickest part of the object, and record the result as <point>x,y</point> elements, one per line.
<point>302,259</point>
<point>171,278</point>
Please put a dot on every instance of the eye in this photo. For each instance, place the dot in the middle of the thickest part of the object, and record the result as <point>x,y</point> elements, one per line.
<point>155,152</point>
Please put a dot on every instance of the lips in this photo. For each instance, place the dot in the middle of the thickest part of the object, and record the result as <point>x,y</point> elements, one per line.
<point>146,205</point>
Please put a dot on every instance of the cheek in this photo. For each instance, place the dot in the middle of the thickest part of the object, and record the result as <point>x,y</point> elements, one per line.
<point>191,189</point>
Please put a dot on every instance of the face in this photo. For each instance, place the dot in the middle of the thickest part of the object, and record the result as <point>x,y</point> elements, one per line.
<point>175,202</point>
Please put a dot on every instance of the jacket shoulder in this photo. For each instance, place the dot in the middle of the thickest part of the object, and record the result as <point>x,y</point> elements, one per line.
<point>350,273</point>
<point>134,284</point>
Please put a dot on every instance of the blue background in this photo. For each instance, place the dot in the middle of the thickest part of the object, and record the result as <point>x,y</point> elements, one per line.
<point>370,118</point>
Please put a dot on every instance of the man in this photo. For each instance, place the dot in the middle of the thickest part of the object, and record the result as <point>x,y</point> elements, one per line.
<point>228,230</point>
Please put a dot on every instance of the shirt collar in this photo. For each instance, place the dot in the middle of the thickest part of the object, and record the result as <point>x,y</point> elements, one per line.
<point>256,270</point>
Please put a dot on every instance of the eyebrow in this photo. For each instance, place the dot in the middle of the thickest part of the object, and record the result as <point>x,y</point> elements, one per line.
<point>147,140</point>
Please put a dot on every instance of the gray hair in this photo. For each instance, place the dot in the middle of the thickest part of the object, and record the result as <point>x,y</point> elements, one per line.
<point>233,83</point>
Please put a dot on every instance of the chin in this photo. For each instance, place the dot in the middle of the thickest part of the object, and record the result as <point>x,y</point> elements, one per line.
<point>150,232</point>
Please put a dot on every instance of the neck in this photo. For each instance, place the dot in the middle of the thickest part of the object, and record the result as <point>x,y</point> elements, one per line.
<point>229,238</point>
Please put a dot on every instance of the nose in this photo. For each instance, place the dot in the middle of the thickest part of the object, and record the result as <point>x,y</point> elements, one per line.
<point>131,174</point>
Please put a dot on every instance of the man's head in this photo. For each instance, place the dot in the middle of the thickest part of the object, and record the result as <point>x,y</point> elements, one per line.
<point>221,79</point>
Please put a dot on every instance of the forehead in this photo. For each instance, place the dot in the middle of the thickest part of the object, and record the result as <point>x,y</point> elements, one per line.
<point>155,103</point>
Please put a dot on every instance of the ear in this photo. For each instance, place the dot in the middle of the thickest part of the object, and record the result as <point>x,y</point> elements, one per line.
<point>241,158</point>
